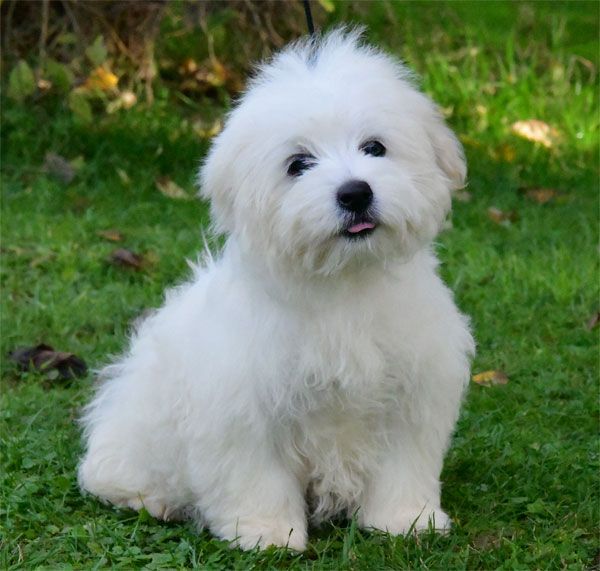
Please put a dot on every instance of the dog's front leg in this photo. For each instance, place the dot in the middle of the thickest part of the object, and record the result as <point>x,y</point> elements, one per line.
<point>255,501</point>
<point>403,494</point>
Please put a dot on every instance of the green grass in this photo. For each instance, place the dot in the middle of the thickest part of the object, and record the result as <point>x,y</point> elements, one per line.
<point>521,479</point>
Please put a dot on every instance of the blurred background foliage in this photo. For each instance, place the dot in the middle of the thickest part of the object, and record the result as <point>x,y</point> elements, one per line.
<point>107,107</point>
<point>99,57</point>
<point>106,55</point>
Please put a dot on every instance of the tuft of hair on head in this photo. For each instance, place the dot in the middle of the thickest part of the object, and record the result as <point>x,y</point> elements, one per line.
<point>325,50</point>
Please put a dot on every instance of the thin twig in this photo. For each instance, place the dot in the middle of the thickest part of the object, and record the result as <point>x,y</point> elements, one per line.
<point>44,31</point>
<point>9,15</point>
<point>74,23</point>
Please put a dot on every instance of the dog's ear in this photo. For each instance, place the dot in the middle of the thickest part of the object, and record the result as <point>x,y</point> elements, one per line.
<point>449,154</point>
<point>216,184</point>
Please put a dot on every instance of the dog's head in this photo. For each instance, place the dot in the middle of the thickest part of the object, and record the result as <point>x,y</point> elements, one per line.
<point>332,156</point>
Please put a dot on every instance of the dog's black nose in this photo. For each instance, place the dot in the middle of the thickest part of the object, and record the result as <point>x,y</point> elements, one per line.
<point>355,196</point>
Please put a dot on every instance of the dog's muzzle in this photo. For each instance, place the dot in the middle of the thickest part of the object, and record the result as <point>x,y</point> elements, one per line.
<point>355,197</point>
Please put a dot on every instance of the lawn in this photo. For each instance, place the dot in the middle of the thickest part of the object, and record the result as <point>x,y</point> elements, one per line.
<point>521,478</point>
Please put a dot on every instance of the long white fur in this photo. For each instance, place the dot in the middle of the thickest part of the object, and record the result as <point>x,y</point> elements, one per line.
<point>300,374</point>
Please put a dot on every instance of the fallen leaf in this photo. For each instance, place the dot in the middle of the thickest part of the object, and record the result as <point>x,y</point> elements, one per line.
<point>486,540</point>
<point>126,258</point>
<point>490,378</point>
<point>593,321</point>
<point>171,189</point>
<point>536,131</point>
<point>501,217</point>
<point>43,358</point>
<point>540,195</point>
<point>111,235</point>
<point>59,167</point>
<point>101,78</point>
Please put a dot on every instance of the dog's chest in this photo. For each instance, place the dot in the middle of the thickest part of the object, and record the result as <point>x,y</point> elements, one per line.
<point>346,388</point>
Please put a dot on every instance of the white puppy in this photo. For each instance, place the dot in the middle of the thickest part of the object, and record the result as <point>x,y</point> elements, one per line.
<point>317,367</point>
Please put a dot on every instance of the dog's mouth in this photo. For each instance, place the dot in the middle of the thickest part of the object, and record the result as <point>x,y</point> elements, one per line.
<point>362,228</point>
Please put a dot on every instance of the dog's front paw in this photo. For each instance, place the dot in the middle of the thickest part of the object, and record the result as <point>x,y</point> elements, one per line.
<point>406,521</point>
<point>262,534</point>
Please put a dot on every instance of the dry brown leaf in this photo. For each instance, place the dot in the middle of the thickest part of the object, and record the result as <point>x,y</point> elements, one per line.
<point>110,235</point>
<point>593,321</point>
<point>540,195</point>
<point>59,167</point>
<point>101,78</point>
<point>126,259</point>
<point>44,358</point>
<point>486,540</point>
<point>490,378</point>
<point>171,189</point>
<point>501,217</point>
<point>536,131</point>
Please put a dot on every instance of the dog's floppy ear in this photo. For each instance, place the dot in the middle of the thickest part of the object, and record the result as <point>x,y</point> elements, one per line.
<point>216,184</point>
<point>449,153</point>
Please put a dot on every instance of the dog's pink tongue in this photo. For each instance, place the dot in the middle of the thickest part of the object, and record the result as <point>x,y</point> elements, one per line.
<point>360,227</point>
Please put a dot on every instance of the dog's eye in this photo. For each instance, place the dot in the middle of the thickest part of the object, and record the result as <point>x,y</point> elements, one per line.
<point>373,148</point>
<point>300,163</point>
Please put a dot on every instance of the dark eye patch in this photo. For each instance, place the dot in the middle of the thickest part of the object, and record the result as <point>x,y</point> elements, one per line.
<point>300,163</point>
<point>373,148</point>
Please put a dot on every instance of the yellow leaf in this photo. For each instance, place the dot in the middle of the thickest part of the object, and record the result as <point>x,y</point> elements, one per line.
<point>489,378</point>
<point>327,5</point>
<point>536,131</point>
<point>111,235</point>
<point>208,132</point>
<point>102,79</point>
<point>171,189</point>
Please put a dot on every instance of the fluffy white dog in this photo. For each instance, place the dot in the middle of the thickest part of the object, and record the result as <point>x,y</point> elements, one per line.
<point>317,366</point>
